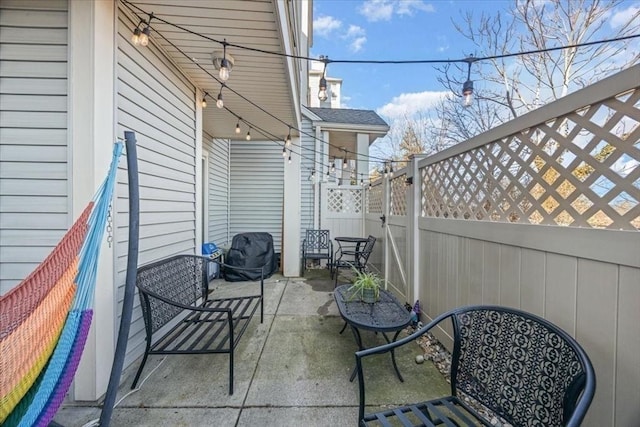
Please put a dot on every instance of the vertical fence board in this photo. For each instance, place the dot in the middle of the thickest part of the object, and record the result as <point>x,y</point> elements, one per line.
<point>596,302</point>
<point>627,348</point>
<point>463,272</point>
<point>509,276</point>
<point>560,296</point>
<point>491,273</point>
<point>532,281</point>
<point>476,262</point>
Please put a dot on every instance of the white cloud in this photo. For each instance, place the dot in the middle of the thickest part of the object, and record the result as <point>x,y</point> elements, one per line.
<point>357,43</point>
<point>356,36</point>
<point>383,10</point>
<point>377,10</point>
<point>407,7</point>
<point>407,104</point>
<point>325,25</point>
<point>623,16</point>
<point>355,31</point>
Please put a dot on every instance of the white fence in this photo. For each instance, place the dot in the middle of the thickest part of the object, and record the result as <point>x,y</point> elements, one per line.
<point>541,213</point>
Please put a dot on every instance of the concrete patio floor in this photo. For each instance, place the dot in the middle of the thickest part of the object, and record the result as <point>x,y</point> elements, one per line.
<point>291,370</point>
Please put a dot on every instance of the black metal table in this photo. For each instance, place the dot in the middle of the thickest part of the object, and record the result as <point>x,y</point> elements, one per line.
<point>386,315</point>
<point>350,245</point>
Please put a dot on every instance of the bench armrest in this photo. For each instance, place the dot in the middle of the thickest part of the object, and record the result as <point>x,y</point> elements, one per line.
<point>185,306</point>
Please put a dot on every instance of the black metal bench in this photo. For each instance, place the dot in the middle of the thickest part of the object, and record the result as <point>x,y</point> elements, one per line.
<point>519,366</point>
<point>176,290</point>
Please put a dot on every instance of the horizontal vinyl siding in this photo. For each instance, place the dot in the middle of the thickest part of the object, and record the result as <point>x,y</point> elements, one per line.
<point>218,227</point>
<point>157,103</point>
<point>257,188</point>
<point>34,170</point>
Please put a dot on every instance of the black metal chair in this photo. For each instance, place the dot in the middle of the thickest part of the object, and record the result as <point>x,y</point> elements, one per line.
<point>356,258</point>
<point>317,245</point>
<point>521,367</point>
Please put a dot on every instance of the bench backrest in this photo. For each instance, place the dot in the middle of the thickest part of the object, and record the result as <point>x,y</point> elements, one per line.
<point>181,279</point>
<point>521,366</point>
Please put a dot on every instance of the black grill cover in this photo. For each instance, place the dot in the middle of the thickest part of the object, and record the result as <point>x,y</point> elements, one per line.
<point>249,250</point>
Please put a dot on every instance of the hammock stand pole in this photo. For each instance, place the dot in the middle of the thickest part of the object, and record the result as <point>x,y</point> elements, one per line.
<point>129,290</point>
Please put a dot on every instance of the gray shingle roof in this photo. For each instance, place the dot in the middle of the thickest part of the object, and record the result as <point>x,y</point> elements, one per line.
<point>349,116</point>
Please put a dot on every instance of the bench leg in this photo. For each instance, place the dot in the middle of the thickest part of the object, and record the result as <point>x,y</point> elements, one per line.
<point>144,360</point>
<point>231,371</point>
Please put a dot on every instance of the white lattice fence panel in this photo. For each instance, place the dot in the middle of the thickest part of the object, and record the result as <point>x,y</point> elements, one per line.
<point>341,200</point>
<point>374,199</point>
<point>581,169</point>
<point>398,196</point>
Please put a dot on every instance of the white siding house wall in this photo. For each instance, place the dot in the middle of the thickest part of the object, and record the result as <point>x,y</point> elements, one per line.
<point>218,227</point>
<point>156,101</point>
<point>34,167</point>
<point>257,188</point>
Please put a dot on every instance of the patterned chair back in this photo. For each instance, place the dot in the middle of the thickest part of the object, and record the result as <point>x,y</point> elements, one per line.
<point>317,241</point>
<point>528,368</point>
<point>363,255</point>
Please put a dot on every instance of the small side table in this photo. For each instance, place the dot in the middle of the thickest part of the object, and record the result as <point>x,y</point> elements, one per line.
<point>386,315</point>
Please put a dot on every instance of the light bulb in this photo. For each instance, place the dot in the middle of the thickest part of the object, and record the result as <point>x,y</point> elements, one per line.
<point>135,38</point>
<point>287,141</point>
<point>289,157</point>
<point>224,70</point>
<point>467,93</point>
<point>144,36</point>
<point>467,99</point>
<point>248,137</point>
<point>322,92</point>
<point>204,103</point>
<point>333,168</point>
<point>284,152</point>
<point>238,127</point>
<point>220,102</point>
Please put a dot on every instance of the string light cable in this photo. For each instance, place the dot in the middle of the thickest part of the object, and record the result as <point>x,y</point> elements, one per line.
<point>302,132</point>
<point>380,61</point>
<point>326,61</point>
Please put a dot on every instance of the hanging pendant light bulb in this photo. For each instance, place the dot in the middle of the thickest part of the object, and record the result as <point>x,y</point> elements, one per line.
<point>322,87</point>
<point>467,87</point>
<point>204,100</point>
<point>328,173</point>
<point>224,71</point>
<point>345,163</point>
<point>312,178</point>
<point>144,36</point>
<point>238,127</point>
<point>333,167</point>
<point>287,141</point>
<point>220,102</point>
<point>248,137</point>
<point>289,157</point>
<point>390,170</point>
<point>322,90</point>
<point>284,151</point>
<point>135,38</point>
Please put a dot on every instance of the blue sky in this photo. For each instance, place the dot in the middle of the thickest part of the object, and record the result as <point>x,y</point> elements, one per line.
<point>396,30</point>
<point>390,30</point>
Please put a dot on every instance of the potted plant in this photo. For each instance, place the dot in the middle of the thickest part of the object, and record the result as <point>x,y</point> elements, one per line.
<point>366,286</point>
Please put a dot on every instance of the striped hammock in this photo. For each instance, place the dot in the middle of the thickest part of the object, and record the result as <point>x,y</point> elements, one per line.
<point>44,321</point>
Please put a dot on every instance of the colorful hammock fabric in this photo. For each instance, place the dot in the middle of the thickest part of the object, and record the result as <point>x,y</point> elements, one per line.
<point>44,321</point>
